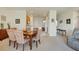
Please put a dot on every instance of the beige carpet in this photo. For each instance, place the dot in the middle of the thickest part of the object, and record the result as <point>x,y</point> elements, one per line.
<point>57,43</point>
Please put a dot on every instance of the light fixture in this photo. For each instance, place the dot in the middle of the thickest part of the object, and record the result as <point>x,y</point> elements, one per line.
<point>28,19</point>
<point>45,18</point>
<point>44,21</point>
<point>24,29</point>
<point>39,28</point>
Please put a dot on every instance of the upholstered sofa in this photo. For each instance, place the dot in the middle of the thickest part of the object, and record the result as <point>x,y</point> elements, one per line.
<point>73,40</point>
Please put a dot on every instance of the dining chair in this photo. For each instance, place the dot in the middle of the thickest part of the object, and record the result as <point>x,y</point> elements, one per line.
<point>37,38</point>
<point>11,36</point>
<point>20,39</point>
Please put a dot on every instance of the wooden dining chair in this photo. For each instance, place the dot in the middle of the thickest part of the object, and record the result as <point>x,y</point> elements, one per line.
<point>11,36</point>
<point>20,39</point>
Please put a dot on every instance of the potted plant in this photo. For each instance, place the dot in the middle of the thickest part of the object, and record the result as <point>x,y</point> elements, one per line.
<point>2,25</point>
<point>8,26</point>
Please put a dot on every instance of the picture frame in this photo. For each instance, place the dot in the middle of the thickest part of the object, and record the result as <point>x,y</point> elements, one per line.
<point>3,18</point>
<point>52,20</point>
<point>17,21</point>
<point>61,21</point>
<point>68,21</point>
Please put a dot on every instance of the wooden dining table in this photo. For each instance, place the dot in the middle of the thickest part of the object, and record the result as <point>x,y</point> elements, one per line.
<point>3,34</point>
<point>30,35</point>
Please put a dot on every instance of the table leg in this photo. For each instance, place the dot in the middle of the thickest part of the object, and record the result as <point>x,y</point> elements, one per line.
<point>65,32</point>
<point>30,42</point>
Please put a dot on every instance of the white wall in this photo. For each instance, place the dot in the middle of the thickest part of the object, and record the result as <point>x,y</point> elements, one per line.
<point>31,21</point>
<point>16,14</point>
<point>4,13</point>
<point>52,25</point>
<point>11,15</point>
<point>22,16</point>
<point>67,15</point>
<point>46,24</point>
<point>76,21</point>
<point>38,22</point>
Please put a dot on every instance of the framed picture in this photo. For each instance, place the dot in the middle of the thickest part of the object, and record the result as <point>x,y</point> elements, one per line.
<point>3,18</point>
<point>68,21</point>
<point>61,21</point>
<point>17,21</point>
<point>52,20</point>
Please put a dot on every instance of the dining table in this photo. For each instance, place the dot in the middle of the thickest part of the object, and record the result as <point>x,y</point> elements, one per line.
<point>3,34</point>
<point>30,34</point>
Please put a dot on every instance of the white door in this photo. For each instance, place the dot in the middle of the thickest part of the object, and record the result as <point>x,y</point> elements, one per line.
<point>77,22</point>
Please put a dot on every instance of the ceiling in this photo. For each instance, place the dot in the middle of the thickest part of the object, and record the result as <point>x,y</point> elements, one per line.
<point>41,11</point>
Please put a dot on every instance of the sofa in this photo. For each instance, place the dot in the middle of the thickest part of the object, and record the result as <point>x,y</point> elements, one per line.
<point>73,40</point>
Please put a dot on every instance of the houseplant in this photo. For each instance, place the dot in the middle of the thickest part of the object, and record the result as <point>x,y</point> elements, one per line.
<point>2,25</point>
<point>8,26</point>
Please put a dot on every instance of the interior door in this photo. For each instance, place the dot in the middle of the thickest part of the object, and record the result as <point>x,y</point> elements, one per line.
<point>77,22</point>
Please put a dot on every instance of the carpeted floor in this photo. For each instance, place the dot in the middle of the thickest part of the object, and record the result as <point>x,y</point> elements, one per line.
<point>57,43</point>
